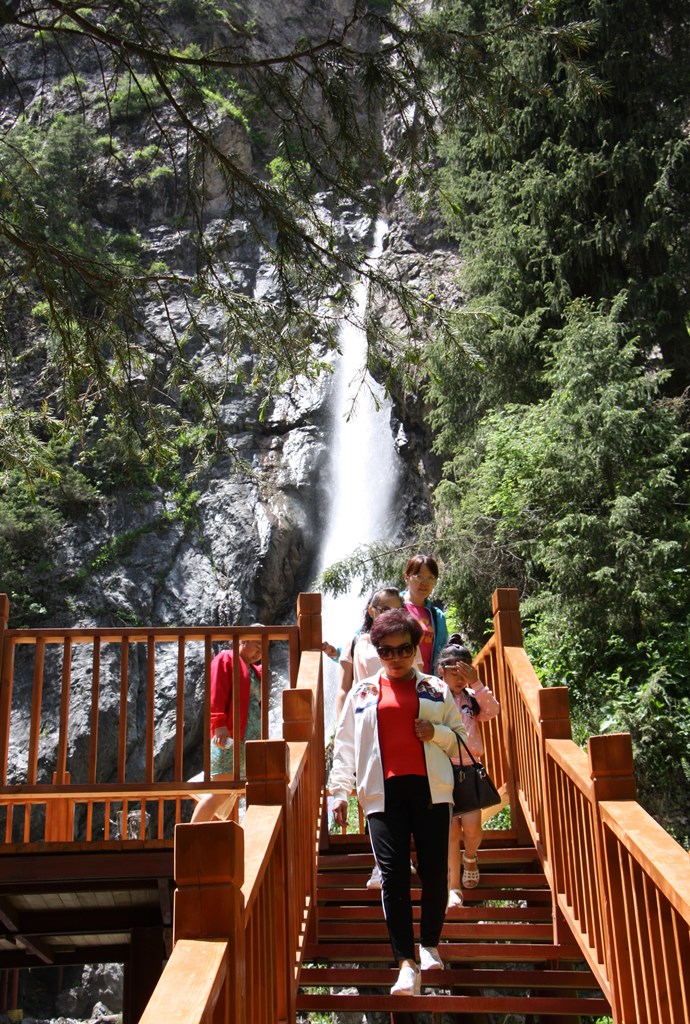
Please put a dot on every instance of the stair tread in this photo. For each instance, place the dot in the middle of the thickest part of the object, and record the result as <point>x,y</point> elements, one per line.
<point>358,879</point>
<point>364,860</point>
<point>437,1002</point>
<point>475,977</point>
<point>367,912</point>
<point>348,894</point>
<point>499,952</point>
<point>498,947</point>
<point>503,930</point>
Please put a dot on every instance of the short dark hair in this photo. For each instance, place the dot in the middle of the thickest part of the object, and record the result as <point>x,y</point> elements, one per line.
<point>416,563</point>
<point>397,620</point>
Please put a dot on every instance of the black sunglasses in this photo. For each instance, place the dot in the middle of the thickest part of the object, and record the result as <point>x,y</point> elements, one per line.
<point>401,651</point>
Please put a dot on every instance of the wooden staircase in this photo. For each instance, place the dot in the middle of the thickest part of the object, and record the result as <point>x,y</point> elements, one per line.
<point>498,948</point>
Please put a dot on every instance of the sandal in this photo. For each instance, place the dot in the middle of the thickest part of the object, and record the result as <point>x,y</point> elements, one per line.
<point>454,898</point>
<point>470,875</point>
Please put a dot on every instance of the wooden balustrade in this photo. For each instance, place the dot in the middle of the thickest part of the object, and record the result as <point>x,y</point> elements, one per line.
<point>620,883</point>
<point>250,887</point>
<point>48,676</point>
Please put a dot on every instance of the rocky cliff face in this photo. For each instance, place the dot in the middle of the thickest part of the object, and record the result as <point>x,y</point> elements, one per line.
<point>242,540</point>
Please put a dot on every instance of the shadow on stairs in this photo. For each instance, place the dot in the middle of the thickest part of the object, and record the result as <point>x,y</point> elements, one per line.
<point>501,962</point>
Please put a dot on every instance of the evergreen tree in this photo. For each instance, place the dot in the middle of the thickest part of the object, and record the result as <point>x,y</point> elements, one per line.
<point>574,188</point>
<point>559,404</point>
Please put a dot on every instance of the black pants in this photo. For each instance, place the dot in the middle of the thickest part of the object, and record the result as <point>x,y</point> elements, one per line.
<point>410,813</point>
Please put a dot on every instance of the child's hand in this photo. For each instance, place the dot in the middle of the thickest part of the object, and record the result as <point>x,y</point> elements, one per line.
<point>467,674</point>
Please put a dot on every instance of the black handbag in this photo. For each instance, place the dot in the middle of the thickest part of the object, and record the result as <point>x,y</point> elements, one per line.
<point>472,785</point>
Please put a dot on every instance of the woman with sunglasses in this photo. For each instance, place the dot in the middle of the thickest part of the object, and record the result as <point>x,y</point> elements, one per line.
<point>360,660</point>
<point>421,576</point>
<point>395,738</point>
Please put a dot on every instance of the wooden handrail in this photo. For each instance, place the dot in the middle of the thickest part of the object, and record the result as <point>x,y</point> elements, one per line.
<point>620,883</point>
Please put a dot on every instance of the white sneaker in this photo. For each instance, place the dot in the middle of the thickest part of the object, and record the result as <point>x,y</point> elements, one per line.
<point>409,982</point>
<point>454,898</point>
<point>429,959</point>
<point>374,882</point>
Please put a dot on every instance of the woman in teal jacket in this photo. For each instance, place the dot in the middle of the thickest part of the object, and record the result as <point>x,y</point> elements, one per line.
<point>421,576</point>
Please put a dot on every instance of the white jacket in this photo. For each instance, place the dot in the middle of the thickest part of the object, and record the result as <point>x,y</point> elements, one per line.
<point>357,754</point>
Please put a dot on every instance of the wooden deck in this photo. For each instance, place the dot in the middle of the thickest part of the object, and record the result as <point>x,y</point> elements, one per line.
<point>583,907</point>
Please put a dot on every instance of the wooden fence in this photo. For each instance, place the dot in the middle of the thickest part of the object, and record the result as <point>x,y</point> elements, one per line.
<point>245,891</point>
<point>61,787</point>
<point>620,883</point>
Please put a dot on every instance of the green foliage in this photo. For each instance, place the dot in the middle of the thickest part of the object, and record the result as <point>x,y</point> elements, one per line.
<point>553,405</point>
<point>564,181</point>
<point>368,566</point>
<point>196,80</point>
<point>134,97</point>
<point>580,499</point>
<point>31,518</point>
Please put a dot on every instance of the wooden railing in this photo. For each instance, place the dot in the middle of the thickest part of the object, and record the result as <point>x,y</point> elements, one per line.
<point>620,883</point>
<point>245,891</point>
<point>62,788</point>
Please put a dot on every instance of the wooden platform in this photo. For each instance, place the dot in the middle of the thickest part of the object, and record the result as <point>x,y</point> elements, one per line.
<point>64,905</point>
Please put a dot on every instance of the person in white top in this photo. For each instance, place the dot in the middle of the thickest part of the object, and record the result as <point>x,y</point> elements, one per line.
<point>359,659</point>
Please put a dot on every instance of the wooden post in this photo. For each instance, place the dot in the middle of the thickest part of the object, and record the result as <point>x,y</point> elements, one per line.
<point>209,872</point>
<point>298,715</point>
<point>612,772</point>
<point>59,826</point>
<point>505,605</point>
<point>554,724</point>
<point>309,621</point>
<point>268,784</point>
<point>142,971</point>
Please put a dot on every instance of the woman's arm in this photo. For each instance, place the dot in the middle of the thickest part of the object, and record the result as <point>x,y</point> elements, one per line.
<point>344,687</point>
<point>341,781</point>
<point>221,691</point>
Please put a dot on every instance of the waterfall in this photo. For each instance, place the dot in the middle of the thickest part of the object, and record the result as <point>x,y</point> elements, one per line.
<point>364,472</point>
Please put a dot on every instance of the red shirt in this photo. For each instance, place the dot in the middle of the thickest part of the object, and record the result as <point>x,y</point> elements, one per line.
<point>221,692</point>
<point>401,752</point>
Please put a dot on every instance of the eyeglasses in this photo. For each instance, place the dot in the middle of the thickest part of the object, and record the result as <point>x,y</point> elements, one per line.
<point>401,651</point>
<point>422,579</point>
<point>386,607</point>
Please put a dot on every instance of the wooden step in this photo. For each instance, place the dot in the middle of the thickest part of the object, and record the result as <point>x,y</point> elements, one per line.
<point>498,947</point>
<point>366,912</point>
<point>503,931</point>
<point>356,976</point>
<point>488,879</point>
<point>436,1002</point>
<point>363,860</point>
<point>452,952</point>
